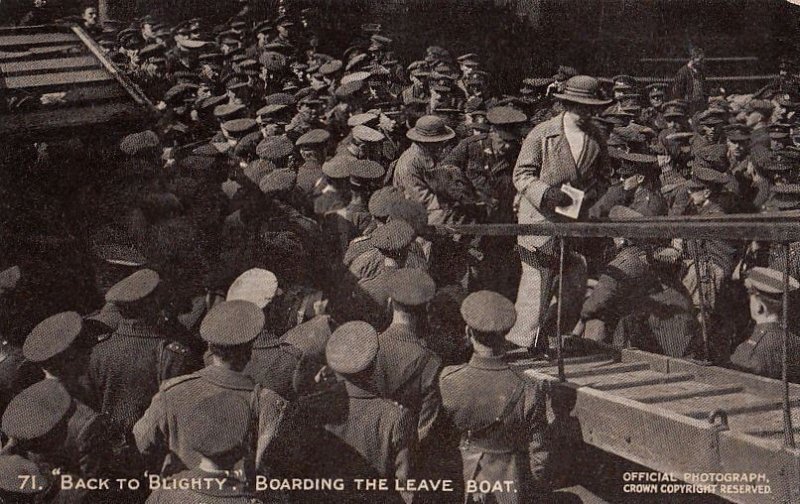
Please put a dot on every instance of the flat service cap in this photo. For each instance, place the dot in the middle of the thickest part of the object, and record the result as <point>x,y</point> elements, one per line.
<point>36,411</point>
<point>232,323</point>
<point>352,347</point>
<point>768,281</point>
<point>488,312</point>
<point>134,287</point>
<point>314,137</point>
<point>52,336</point>
<point>274,148</point>
<point>278,181</point>
<point>393,236</point>
<point>256,285</point>
<point>411,287</point>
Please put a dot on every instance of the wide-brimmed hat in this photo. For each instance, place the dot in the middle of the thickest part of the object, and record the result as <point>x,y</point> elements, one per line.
<point>430,129</point>
<point>582,89</point>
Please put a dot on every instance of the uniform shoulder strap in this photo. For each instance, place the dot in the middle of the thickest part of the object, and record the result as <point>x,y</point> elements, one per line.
<point>449,370</point>
<point>167,353</point>
<point>172,382</point>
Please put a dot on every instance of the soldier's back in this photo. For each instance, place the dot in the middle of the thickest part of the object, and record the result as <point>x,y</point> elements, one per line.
<point>371,428</point>
<point>126,368</point>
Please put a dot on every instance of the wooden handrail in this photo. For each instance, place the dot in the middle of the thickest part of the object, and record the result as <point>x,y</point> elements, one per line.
<point>777,230</point>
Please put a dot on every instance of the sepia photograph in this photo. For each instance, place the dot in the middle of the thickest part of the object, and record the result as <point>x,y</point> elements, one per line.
<point>400,251</point>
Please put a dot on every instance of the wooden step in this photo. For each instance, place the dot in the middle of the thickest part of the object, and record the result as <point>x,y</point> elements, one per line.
<point>57,79</point>
<point>37,39</point>
<point>649,394</point>
<point>616,368</point>
<point>27,67</point>
<point>536,364</point>
<point>633,379</point>
<point>739,402</point>
<point>552,369</point>
<point>764,424</point>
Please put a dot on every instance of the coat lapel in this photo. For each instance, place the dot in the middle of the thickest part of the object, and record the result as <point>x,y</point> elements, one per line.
<point>591,149</point>
<point>566,163</point>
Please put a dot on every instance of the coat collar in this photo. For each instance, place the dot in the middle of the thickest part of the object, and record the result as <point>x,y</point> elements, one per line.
<point>136,329</point>
<point>591,149</point>
<point>401,332</point>
<point>762,330</point>
<point>356,392</point>
<point>487,362</point>
<point>266,339</point>
<point>226,378</point>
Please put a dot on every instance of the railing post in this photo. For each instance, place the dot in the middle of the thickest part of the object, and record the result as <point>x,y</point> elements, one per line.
<point>788,428</point>
<point>702,297</point>
<point>559,338</point>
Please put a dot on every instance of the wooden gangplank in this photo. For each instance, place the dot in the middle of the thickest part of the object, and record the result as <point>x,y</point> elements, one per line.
<point>58,82</point>
<point>681,418</point>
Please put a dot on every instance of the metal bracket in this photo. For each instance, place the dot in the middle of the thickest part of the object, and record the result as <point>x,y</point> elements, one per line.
<point>723,418</point>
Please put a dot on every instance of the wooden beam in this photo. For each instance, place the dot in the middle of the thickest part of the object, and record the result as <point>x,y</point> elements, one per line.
<point>37,39</point>
<point>779,231</point>
<point>23,67</point>
<point>57,79</point>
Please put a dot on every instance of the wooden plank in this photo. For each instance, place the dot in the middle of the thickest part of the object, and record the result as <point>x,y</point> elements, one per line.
<point>37,66</point>
<point>721,230</point>
<point>634,379</point>
<point>52,49</point>
<point>57,79</point>
<point>744,454</point>
<point>673,391</point>
<point>66,118</point>
<point>568,361</point>
<point>765,424</point>
<point>740,402</point>
<point>91,94</point>
<point>95,93</point>
<point>646,434</point>
<point>754,384</point>
<point>37,53</point>
<point>603,370</point>
<point>551,368</point>
<point>719,59</point>
<point>36,39</point>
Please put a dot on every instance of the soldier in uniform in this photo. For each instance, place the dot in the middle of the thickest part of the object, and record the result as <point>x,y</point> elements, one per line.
<point>35,422</point>
<point>637,188</point>
<point>274,364</point>
<point>57,345</point>
<point>229,329</point>
<point>373,436</point>
<point>219,432</point>
<point>16,372</point>
<point>758,115</point>
<point>127,365</point>
<point>345,224</point>
<point>405,370</point>
<point>312,151</point>
<point>631,294</point>
<point>499,414</point>
<point>652,116</point>
<point>717,258</point>
<point>762,353</point>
